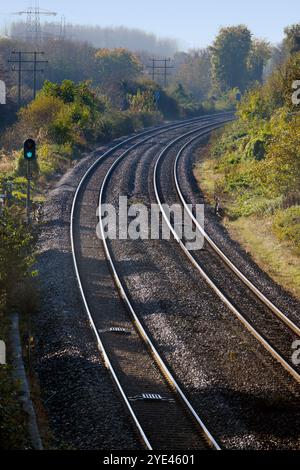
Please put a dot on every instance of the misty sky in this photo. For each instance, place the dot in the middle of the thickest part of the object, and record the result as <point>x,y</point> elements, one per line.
<point>193,22</point>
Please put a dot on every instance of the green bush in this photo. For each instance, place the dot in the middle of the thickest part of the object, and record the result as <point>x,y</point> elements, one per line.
<point>53,158</point>
<point>255,149</point>
<point>21,166</point>
<point>69,118</point>
<point>286,226</point>
<point>12,417</point>
<point>257,156</point>
<point>17,244</point>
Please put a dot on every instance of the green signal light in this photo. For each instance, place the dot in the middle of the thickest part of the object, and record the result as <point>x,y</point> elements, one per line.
<point>29,149</point>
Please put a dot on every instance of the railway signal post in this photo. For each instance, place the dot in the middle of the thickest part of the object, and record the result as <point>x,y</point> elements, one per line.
<point>29,155</point>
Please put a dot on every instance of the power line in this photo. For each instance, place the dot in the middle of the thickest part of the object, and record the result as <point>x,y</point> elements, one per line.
<point>33,22</point>
<point>34,61</point>
<point>156,68</point>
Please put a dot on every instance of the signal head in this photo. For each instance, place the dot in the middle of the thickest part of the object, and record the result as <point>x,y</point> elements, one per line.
<point>29,149</point>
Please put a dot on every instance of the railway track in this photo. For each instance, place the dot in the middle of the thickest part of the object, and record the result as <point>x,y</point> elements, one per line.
<point>247,282</point>
<point>164,417</point>
<point>279,324</point>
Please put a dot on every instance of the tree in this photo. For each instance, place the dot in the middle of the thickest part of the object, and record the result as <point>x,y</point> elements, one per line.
<point>283,163</point>
<point>292,38</point>
<point>16,256</point>
<point>68,113</point>
<point>113,68</point>
<point>230,52</point>
<point>68,59</point>
<point>195,74</point>
<point>142,101</point>
<point>278,57</point>
<point>259,55</point>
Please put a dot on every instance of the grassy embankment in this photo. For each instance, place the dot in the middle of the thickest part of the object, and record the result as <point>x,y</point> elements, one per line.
<point>253,166</point>
<point>255,234</point>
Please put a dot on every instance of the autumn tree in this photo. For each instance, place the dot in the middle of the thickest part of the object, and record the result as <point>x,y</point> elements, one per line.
<point>68,59</point>
<point>282,166</point>
<point>230,52</point>
<point>292,38</point>
<point>114,67</point>
<point>259,55</point>
<point>142,101</point>
<point>195,74</point>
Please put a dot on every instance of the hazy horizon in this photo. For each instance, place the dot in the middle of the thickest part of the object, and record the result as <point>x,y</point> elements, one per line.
<point>195,26</point>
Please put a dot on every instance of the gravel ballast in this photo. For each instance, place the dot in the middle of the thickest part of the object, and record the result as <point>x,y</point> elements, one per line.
<point>247,399</point>
<point>83,406</point>
<point>84,409</point>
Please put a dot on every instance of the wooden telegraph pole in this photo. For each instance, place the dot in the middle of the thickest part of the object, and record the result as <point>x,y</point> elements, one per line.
<point>34,61</point>
<point>160,67</point>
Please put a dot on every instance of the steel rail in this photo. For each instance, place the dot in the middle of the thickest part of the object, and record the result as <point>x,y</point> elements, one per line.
<point>135,317</point>
<point>225,300</point>
<point>151,133</point>
<point>222,255</point>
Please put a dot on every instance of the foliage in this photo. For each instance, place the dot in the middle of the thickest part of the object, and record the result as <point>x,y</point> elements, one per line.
<point>167,104</point>
<point>286,225</point>
<point>259,55</point>
<point>227,100</point>
<point>142,101</point>
<point>292,38</point>
<point>185,101</point>
<point>66,118</point>
<point>281,170</point>
<point>12,417</point>
<point>230,52</point>
<point>263,101</point>
<point>16,261</point>
<point>257,158</point>
<point>17,243</point>
<point>114,67</point>
<point>194,75</point>
<point>237,59</point>
<point>255,149</point>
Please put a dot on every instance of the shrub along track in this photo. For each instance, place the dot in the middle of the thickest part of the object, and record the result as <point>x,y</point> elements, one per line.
<point>243,394</point>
